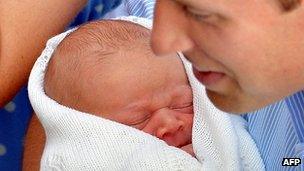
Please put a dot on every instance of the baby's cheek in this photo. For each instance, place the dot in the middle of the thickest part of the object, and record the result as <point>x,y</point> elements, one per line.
<point>188,124</point>
<point>187,118</point>
<point>150,128</point>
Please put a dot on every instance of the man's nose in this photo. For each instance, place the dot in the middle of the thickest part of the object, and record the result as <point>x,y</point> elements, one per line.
<point>170,128</point>
<point>170,28</point>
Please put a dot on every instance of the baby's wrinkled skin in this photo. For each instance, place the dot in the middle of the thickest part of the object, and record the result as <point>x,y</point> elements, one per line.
<point>127,84</point>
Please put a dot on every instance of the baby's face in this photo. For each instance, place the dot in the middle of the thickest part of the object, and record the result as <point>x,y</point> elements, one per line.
<point>146,92</point>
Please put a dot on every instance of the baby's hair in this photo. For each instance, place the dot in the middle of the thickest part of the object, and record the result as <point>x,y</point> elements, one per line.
<point>86,48</point>
<point>105,35</point>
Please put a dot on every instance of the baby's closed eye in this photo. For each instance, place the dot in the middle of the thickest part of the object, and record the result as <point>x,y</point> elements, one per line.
<point>141,121</point>
<point>185,107</point>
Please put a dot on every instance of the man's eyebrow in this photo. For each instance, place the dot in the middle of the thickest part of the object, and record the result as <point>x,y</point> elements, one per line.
<point>193,4</point>
<point>185,2</point>
<point>206,6</point>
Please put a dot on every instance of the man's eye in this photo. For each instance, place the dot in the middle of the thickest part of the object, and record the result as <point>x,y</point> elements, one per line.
<point>199,16</point>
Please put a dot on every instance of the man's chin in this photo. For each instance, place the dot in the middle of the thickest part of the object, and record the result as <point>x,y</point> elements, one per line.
<point>234,104</point>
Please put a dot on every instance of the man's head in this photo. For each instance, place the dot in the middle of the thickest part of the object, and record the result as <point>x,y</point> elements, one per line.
<point>107,68</point>
<point>247,53</point>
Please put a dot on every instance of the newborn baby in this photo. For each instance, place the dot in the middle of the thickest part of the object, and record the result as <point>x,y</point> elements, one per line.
<point>108,69</point>
<point>116,91</point>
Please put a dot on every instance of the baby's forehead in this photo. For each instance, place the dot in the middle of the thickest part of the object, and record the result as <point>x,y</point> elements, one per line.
<point>141,79</point>
<point>111,61</point>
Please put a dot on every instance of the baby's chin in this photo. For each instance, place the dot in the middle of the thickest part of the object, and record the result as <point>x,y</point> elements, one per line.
<point>189,149</point>
<point>184,144</point>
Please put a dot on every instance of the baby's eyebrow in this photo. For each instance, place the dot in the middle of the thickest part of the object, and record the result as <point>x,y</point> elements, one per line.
<point>139,105</point>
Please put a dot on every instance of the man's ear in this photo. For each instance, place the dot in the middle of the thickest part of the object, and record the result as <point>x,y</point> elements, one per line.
<point>289,5</point>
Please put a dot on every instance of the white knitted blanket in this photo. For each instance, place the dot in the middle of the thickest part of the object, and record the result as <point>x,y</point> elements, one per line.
<point>80,141</point>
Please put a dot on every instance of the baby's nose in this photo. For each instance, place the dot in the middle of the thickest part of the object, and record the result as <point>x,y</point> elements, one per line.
<point>170,129</point>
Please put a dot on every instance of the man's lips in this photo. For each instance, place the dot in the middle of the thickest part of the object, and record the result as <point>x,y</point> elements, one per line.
<point>208,78</point>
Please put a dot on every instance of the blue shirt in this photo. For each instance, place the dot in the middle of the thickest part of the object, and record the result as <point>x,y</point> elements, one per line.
<point>15,116</point>
<point>278,131</point>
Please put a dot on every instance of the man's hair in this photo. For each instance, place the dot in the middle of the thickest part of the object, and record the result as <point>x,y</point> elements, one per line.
<point>288,5</point>
<point>85,49</point>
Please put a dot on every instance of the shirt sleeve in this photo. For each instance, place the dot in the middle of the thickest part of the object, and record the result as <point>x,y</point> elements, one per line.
<point>139,8</point>
<point>95,9</point>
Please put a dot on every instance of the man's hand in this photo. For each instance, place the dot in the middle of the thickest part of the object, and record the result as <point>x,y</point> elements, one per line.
<point>33,147</point>
<point>25,26</point>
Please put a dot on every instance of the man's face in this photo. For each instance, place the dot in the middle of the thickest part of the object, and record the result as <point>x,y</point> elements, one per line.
<point>247,53</point>
<point>146,92</point>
